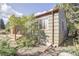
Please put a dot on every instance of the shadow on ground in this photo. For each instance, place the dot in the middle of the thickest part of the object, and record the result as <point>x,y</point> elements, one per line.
<point>67,42</point>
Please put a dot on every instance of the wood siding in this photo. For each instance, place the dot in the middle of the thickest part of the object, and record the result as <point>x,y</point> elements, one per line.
<point>56,31</point>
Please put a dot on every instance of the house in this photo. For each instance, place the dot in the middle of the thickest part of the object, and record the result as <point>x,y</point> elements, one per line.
<point>54,25</point>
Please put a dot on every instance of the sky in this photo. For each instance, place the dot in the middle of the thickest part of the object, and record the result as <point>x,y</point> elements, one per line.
<point>20,9</point>
<point>29,8</point>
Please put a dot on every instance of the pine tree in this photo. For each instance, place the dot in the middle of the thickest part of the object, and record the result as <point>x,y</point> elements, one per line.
<point>2,25</point>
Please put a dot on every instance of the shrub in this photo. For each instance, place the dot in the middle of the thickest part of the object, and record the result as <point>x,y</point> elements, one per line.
<point>72,50</point>
<point>5,49</point>
<point>25,42</point>
<point>32,35</point>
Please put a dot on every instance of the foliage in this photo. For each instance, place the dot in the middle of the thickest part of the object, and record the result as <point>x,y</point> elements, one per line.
<point>71,11</point>
<point>13,23</point>
<point>5,49</point>
<point>2,25</point>
<point>32,32</point>
<point>71,27</point>
<point>73,50</point>
<point>71,14</point>
<point>25,42</point>
<point>7,27</point>
<point>32,36</point>
<point>29,28</point>
<point>68,8</point>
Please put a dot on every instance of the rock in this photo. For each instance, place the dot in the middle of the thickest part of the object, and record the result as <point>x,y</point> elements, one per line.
<point>65,54</point>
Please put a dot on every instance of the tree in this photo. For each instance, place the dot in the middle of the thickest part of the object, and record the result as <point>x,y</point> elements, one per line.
<point>70,13</point>
<point>68,9</point>
<point>13,22</point>
<point>72,18</point>
<point>2,25</point>
<point>32,32</point>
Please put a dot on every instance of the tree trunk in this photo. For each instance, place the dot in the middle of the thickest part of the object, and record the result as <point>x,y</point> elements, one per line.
<point>15,32</point>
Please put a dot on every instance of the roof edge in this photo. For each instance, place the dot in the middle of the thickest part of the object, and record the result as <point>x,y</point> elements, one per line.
<point>47,12</point>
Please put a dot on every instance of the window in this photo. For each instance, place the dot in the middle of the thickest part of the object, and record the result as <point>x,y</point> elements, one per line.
<point>43,23</point>
<point>46,23</point>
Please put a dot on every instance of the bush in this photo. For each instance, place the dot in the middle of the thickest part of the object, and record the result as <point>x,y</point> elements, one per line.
<point>5,49</point>
<point>72,50</point>
<point>32,35</point>
<point>25,42</point>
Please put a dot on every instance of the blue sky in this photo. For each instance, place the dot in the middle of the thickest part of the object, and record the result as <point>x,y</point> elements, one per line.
<point>28,8</point>
<point>24,9</point>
